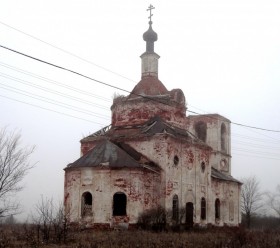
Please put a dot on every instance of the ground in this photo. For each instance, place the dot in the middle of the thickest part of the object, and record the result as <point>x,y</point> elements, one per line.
<point>27,236</point>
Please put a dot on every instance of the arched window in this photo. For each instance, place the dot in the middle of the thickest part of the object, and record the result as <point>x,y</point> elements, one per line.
<point>201,130</point>
<point>223,137</point>
<point>86,208</point>
<point>175,208</point>
<point>176,160</point>
<point>202,166</point>
<point>217,209</point>
<point>119,204</point>
<point>231,211</point>
<point>203,209</point>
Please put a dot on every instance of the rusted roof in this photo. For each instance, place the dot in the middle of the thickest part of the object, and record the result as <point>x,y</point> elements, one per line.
<point>219,175</point>
<point>108,154</point>
<point>148,86</point>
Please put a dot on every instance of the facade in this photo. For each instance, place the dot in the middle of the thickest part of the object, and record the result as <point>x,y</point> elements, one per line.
<point>154,155</point>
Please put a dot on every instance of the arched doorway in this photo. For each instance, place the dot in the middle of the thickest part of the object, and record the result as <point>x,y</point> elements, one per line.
<point>189,214</point>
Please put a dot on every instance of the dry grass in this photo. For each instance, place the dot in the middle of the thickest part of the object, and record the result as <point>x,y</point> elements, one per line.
<point>28,236</point>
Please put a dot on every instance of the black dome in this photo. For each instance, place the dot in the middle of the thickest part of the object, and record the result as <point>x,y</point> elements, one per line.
<point>150,35</point>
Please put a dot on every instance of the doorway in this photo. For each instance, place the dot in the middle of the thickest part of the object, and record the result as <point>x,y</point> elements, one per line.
<point>189,215</point>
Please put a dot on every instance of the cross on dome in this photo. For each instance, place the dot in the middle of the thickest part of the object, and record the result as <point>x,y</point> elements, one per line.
<point>150,8</point>
<point>150,36</point>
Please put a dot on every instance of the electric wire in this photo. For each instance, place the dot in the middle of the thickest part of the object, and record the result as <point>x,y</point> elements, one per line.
<point>54,82</point>
<point>51,110</point>
<point>257,145</point>
<point>13,89</point>
<point>252,155</point>
<point>54,102</point>
<point>247,151</point>
<point>118,88</point>
<point>90,112</point>
<point>255,151</point>
<point>67,52</point>
<point>25,82</point>
<point>256,139</point>
<point>107,99</point>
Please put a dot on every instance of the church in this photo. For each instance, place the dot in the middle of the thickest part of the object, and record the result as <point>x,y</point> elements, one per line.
<point>154,155</point>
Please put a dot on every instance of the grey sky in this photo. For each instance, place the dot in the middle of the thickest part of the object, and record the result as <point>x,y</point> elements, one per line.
<point>224,55</point>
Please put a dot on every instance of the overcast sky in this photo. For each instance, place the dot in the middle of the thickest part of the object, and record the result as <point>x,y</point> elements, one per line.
<point>224,55</point>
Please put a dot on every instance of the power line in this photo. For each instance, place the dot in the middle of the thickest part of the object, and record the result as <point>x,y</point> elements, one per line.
<point>256,156</point>
<point>257,145</point>
<point>57,103</point>
<point>255,151</point>
<point>52,91</point>
<point>67,52</point>
<point>65,69</point>
<point>54,82</point>
<point>34,105</point>
<point>103,98</point>
<point>118,88</point>
<point>238,124</point>
<point>256,139</point>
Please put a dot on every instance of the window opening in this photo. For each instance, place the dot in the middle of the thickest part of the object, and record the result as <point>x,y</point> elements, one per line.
<point>201,130</point>
<point>175,208</point>
<point>217,209</point>
<point>223,137</point>
<point>231,211</point>
<point>176,160</point>
<point>119,204</point>
<point>203,166</point>
<point>203,208</point>
<point>86,204</point>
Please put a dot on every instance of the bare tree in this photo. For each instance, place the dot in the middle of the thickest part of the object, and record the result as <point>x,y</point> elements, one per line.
<point>274,201</point>
<point>251,198</point>
<point>14,165</point>
<point>51,221</point>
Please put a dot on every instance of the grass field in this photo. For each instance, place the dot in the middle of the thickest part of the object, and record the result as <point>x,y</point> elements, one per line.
<point>31,236</point>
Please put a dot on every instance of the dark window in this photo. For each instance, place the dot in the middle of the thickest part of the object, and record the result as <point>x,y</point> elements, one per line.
<point>231,211</point>
<point>176,160</point>
<point>119,204</point>
<point>175,208</point>
<point>217,209</point>
<point>203,208</point>
<point>203,166</point>
<point>86,204</point>
<point>223,137</point>
<point>201,130</point>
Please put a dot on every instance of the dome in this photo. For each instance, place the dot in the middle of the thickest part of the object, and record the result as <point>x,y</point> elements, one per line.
<point>148,86</point>
<point>150,35</point>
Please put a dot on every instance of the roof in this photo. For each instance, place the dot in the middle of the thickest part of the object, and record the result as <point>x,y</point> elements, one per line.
<point>157,125</point>
<point>152,127</point>
<point>219,175</point>
<point>149,86</point>
<point>108,154</point>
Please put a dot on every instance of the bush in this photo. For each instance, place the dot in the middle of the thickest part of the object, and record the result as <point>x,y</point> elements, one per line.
<point>153,219</point>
